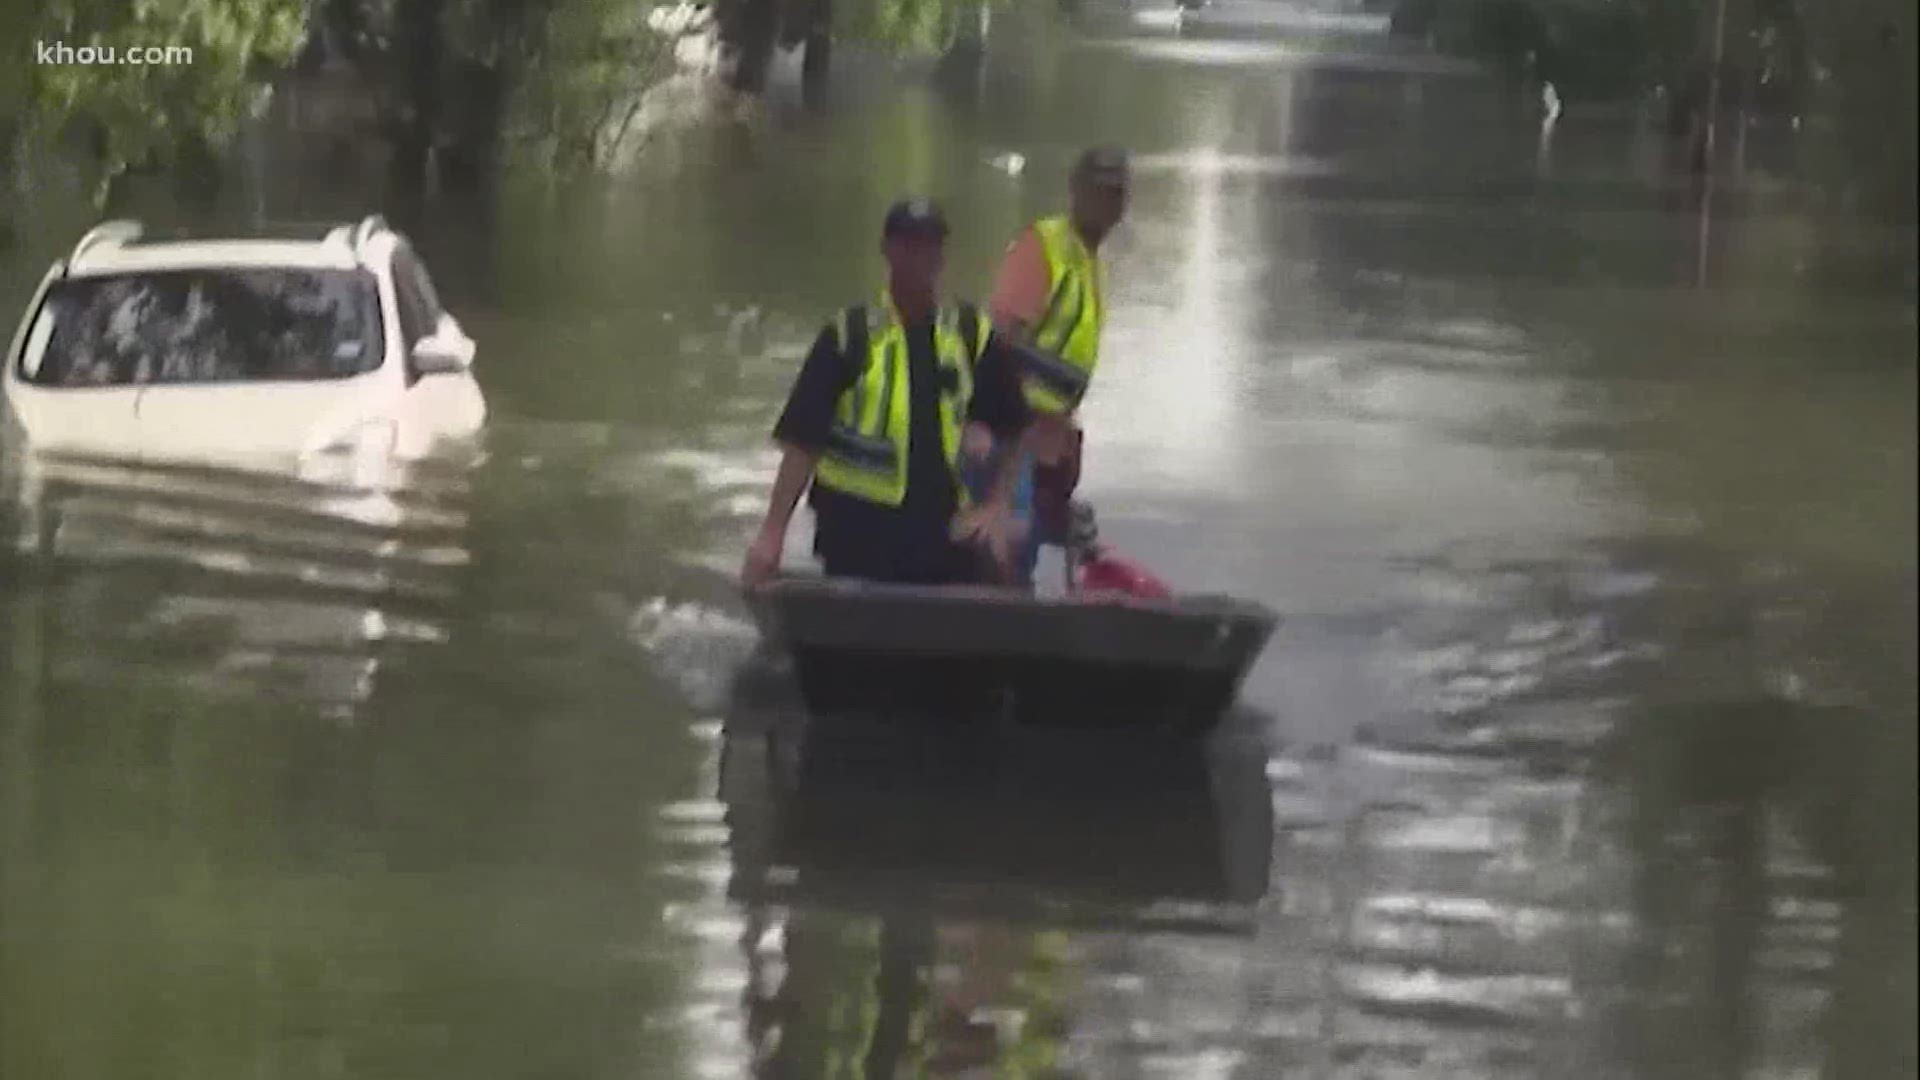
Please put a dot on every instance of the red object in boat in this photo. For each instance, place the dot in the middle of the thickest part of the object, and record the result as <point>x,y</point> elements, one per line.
<point>1107,573</point>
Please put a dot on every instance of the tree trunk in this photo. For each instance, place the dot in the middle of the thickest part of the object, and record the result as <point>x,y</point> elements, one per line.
<point>747,29</point>
<point>13,180</point>
<point>197,172</point>
<point>815,63</point>
<point>473,124</point>
<point>417,51</point>
<point>963,66</point>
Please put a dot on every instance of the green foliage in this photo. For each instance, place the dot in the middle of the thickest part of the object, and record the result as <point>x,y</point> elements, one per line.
<point>572,71</point>
<point>155,112</point>
<point>1843,67</point>
<point>905,26</point>
<point>1863,60</point>
<point>581,90</point>
<point>519,34</point>
<point>1588,48</point>
<point>1596,50</point>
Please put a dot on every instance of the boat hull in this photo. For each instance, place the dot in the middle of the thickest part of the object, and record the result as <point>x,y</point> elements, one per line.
<point>860,648</point>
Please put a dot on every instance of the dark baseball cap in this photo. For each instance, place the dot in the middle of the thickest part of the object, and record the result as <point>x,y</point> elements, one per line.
<point>915,217</point>
<point>1104,165</point>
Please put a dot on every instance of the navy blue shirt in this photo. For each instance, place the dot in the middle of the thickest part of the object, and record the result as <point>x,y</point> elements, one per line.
<point>909,543</point>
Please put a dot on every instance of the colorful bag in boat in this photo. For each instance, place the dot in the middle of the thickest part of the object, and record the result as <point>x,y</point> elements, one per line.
<point>1066,341</point>
<point>1041,495</point>
<point>866,451</point>
<point>979,477</point>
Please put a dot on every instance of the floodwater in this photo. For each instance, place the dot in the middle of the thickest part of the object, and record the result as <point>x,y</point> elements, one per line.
<point>1585,748</point>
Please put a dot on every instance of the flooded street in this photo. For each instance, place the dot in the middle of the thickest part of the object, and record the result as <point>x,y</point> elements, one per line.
<point>1584,749</point>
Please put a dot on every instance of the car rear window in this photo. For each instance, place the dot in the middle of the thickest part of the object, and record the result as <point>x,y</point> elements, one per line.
<point>205,326</point>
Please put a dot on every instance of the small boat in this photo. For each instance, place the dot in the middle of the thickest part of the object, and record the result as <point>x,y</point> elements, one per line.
<point>1131,656</point>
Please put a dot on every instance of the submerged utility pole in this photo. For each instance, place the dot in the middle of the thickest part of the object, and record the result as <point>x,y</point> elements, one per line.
<point>1711,139</point>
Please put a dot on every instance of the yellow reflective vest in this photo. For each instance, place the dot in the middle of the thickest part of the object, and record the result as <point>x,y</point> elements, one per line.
<point>866,451</point>
<point>1066,340</point>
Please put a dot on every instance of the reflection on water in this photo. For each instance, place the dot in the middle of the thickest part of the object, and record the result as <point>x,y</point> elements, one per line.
<point>948,816</point>
<point>283,763</point>
<point>1576,839</point>
<point>943,940</point>
<point>247,582</point>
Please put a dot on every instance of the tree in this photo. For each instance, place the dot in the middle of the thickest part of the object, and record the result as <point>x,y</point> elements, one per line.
<point>750,29</point>
<point>157,113</point>
<point>580,92</point>
<point>1839,66</point>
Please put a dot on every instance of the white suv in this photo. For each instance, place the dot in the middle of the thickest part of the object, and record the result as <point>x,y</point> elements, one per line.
<point>242,351</point>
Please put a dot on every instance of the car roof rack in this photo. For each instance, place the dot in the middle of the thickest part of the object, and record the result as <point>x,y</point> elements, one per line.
<point>370,226</point>
<point>291,229</point>
<point>107,232</point>
<point>354,238</point>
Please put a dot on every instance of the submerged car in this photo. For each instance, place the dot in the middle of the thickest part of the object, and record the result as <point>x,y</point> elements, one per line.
<point>250,459</point>
<point>331,346</point>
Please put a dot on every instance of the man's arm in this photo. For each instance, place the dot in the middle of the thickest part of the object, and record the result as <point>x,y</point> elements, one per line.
<point>1020,288</point>
<point>800,432</point>
<point>1019,300</point>
<point>1002,408</point>
<point>763,556</point>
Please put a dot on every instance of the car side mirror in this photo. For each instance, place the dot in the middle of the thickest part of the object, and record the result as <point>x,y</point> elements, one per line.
<point>446,351</point>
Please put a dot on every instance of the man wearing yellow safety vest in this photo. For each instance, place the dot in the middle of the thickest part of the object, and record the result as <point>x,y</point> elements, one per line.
<point>875,423</point>
<point>1050,301</point>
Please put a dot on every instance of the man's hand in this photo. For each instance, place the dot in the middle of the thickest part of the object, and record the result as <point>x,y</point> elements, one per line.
<point>1050,437</point>
<point>789,483</point>
<point>763,558</point>
<point>990,526</point>
<point>976,442</point>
